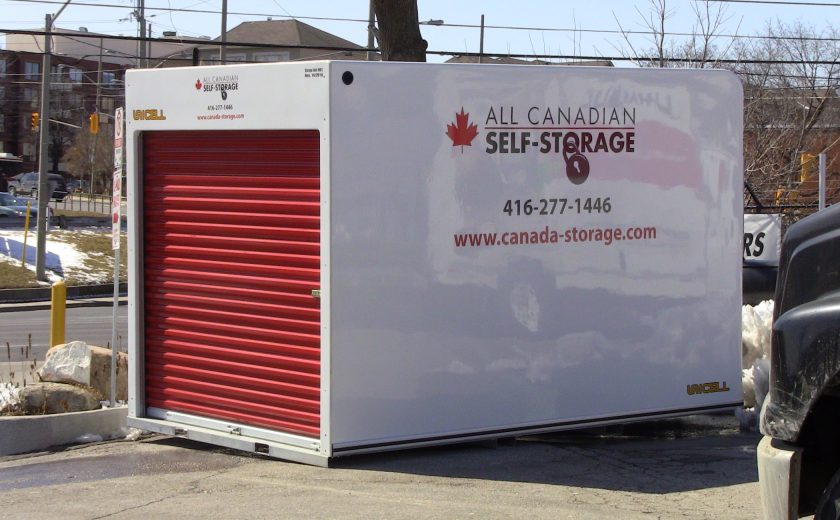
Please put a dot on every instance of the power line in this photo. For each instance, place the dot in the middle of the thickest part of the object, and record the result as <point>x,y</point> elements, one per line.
<point>476,26</point>
<point>210,43</point>
<point>196,11</point>
<point>778,2</point>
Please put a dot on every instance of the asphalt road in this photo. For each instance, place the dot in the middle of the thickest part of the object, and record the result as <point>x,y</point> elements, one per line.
<point>703,468</point>
<point>90,324</point>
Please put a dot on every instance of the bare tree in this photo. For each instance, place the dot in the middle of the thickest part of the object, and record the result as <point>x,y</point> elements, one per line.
<point>91,157</point>
<point>670,50</point>
<point>791,108</point>
<point>399,30</point>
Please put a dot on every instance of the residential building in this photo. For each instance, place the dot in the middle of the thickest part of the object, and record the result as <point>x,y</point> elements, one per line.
<point>280,40</point>
<point>79,88</point>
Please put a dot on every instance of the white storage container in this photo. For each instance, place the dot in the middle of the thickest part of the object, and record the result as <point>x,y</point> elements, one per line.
<point>330,258</point>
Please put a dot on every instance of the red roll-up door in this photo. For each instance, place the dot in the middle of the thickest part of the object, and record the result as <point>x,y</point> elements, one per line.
<point>231,252</point>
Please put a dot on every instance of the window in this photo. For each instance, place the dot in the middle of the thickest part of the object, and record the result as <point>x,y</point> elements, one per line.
<point>271,56</point>
<point>108,79</point>
<point>30,96</point>
<point>107,104</point>
<point>29,151</point>
<point>236,58</point>
<point>3,67</point>
<point>213,59</point>
<point>75,74</point>
<point>32,70</point>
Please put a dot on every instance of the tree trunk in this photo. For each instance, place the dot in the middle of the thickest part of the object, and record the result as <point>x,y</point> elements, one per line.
<point>399,30</point>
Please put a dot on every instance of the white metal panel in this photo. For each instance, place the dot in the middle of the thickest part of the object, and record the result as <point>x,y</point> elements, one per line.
<point>433,340</point>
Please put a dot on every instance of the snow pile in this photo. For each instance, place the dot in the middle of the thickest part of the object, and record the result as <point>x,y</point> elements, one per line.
<point>9,397</point>
<point>756,330</point>
<point>123,433</point>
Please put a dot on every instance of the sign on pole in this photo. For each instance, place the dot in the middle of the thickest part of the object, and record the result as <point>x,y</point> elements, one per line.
<point>116,201</point>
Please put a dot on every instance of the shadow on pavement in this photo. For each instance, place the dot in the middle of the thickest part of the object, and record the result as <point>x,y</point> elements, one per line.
<point>660,457</point>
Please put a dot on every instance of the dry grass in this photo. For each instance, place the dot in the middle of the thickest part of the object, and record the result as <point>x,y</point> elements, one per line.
<point>100,255</point>
<point>98,264</point>
<point>13,276</point>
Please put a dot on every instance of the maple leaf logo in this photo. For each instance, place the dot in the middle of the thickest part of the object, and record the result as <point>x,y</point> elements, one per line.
<point>462,132</point>
<point>198,84</point>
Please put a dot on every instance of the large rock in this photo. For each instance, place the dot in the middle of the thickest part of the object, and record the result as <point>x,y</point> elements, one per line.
<point>49,398</point>
<point>80,363</point>
<point>100,372</point>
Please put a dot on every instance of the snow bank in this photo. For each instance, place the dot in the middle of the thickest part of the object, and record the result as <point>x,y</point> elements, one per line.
<point>61,258</point>
<point>756,330</point>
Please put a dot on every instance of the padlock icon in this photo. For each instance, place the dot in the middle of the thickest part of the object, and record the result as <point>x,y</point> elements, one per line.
<point>577,168</point>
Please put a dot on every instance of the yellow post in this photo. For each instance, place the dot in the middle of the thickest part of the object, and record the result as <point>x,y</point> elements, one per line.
<point>25,234</point>
<point>59,304</point>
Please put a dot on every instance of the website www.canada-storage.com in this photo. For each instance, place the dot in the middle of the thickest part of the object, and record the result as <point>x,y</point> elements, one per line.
<point>220,116</point>
<point>605,236</point>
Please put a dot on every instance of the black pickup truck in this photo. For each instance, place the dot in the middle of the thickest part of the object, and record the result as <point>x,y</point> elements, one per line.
<point>799,456</point>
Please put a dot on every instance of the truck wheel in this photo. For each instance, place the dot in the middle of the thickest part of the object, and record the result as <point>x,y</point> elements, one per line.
<point>828,507</point>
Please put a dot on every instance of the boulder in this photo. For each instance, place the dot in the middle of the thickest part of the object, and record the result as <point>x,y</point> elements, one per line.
<point>50,398</point>
<point>80,363</point>
<point>100,372</point>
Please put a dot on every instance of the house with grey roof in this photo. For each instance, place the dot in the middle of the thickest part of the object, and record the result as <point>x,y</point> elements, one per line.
<point>280,40</point>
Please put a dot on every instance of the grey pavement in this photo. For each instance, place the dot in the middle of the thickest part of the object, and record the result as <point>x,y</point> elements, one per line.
<point>700,468</point>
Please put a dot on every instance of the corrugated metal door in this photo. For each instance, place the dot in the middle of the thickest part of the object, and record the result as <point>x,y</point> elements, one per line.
<point>231,224</point>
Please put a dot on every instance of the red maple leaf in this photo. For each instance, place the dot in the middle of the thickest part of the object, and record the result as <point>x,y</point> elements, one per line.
<point>462,132</point>
<point>198,84</point>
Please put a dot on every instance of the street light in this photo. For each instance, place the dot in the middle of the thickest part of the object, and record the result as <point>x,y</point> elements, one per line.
<point>43,169</point>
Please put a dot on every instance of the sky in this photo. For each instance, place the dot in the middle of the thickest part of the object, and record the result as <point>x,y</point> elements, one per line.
<point>540,26</point>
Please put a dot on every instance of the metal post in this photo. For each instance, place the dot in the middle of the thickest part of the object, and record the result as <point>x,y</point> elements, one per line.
<point>822,181</point>
<point>481,42</point>
<point>58,307</point>
<point>223,47</point>
<point>95,138</point>
<point>43,155</point>
<point>114,355</point>
<point>25,234</point>
<point>43,143</point>
<point>371,26</point>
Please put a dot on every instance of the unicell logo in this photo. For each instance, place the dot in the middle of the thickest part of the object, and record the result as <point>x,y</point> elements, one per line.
<point>571,132</point>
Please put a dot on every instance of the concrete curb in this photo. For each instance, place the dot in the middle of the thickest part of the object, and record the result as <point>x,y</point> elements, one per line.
<point>62,222</point>
<point>38,294</point>
<point>22,434</point>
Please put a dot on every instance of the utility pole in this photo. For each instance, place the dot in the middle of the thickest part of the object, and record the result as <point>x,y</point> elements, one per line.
<point>371,27</point>
<point>223,47</point>
<point>481,42</point>
<point>43,153</point>
<point>95,139</point>
<point>141,19</point>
